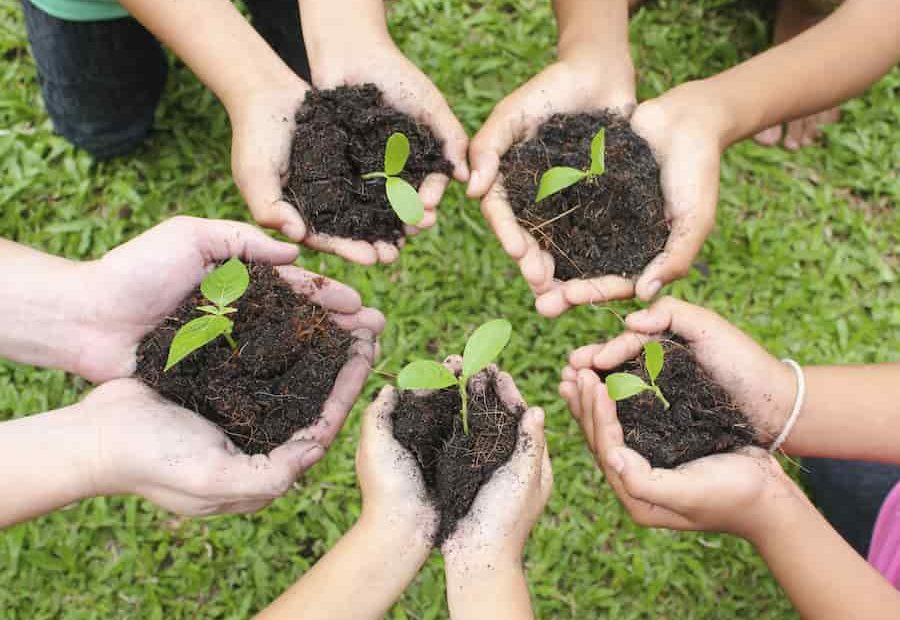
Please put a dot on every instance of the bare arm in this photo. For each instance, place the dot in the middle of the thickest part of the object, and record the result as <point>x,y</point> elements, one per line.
<point>488,590</point>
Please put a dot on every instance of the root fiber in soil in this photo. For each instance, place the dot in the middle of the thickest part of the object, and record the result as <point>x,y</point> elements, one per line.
<point>456,465</point>
<point>611,225</point>
<point>702,419</point>
<point>288,357</point>
<point>341,135</point>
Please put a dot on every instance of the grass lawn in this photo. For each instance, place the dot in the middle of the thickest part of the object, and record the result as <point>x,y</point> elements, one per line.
<point>804,258</point>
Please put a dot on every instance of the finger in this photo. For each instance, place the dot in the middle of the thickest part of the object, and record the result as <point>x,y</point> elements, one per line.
<point>546,475</point>
<point>671,314</point>
<point>478,384</point>
<point>432,189</point>
<point>261,187</point>
<point>535,268</point>
<point>608,433</point>
<point>360,252</point>
<point>588,382</point>
<point>508,392</point>
<point>330,294</point>
<point>769,137</point>
<point>377,422</point>
<point>454,364</point>
<point>568,390</point>
<point>685,240</point>
<point>428,220</point>
<point>580,292</point>
<point>505,125</point>
<point>449,130</point>
<point>245,477</point>
<point>503,222</point>
<point>583,357</point>
<point>673,489</point>
<point>387,253</point>
<point>794,135</point>
<point>619,350</point>
<point>217,240</point>
<point>363,324</point>
<point>569,374</point>
<point>347,387</point>
<point>525,463</point>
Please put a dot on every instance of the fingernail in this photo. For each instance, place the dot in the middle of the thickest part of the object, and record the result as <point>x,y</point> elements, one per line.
<point>653,288</point>
<point>616,461</point>
<point>311,456</point>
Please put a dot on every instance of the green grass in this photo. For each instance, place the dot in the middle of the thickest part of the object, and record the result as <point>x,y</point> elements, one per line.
<point>804,258</point>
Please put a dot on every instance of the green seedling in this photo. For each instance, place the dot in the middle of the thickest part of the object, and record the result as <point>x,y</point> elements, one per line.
<point>559,178</point>
<point>482,348</point>
<point>222,286</point>
<point>403,197</point>
<point>622,385</point>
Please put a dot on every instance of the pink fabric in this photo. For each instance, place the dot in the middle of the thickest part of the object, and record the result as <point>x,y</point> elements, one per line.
<point>884,551</point>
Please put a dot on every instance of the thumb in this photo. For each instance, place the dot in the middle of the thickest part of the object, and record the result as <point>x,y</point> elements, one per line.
<point>674,262</point>
<point>498,133</point>
<point>377,425</point>
<point>221,239</point>
<point>527,459</point>
<point>290,461</point>
<point>261,187</point>
<point>680,317</point>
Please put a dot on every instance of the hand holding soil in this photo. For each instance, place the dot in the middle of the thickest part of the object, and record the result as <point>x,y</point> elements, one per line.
<point>148,446</point>
<point>756,384</point>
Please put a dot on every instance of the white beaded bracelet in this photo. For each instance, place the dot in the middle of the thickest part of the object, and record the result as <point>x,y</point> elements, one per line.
<point>798,404</point>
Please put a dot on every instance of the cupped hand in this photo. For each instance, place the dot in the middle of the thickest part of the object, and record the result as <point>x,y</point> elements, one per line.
<point>376,59</point>
<point>507,507</point>
<point>761,386</point>
<point>565,87</point>
<point>393,489</point>
<point>148,446</point>
<point>731,493</point>
<point>135,286</point>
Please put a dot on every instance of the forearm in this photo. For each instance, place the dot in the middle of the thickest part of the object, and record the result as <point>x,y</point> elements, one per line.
<point>215,40</point>
<point>46,464</point>
<point>823,576</point>
<point>829,63</point>
<point>849,412</point>
<point>477,590</point>
<point>41,305</point>
<point>359,578</point>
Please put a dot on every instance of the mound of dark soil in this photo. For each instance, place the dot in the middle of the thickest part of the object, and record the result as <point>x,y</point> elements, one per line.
<point>456,465</point>
<point>341,135</point>
<point>701,421</point>
<point>612,225</point>
<point>288,357</point>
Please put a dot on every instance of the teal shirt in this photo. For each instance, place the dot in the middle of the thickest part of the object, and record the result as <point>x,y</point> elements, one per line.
<point>82,10</point>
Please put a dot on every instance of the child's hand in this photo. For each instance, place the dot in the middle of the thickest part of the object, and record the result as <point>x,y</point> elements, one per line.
<point>393,490</point>
<point>139,283</point>
<point>735,493</point>
<point>148,446</point>
<point>507,507</point>
<point>565,87</point>
<point>760,385</point>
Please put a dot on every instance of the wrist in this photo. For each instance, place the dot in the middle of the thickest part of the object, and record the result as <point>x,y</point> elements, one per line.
<point>698,102</point>
<point>413,533</point>
<point>779,513</point>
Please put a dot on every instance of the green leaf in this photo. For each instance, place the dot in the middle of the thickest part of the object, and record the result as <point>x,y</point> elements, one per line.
<point>598,152</point>
<point>622,385</point>
<point>425,375</point>
<point>226,283</point>
<point>484,345</point>
<point>395,154</point>
<point>405,201</point>
<point>208,309</point>
<point>653,358</point>
<point>557,179</point>
<point>193,335</point>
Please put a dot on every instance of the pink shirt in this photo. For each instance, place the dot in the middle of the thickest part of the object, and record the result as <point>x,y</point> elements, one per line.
<point>884,551</point>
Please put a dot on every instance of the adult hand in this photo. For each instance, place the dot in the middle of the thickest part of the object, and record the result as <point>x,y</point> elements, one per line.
<point>760,385</point>
<point>734,493</point>
<point>507,507</point>
<point>145,445</point>
<point>139,283</point>
<point>568,86</point>
<point>393,489</point>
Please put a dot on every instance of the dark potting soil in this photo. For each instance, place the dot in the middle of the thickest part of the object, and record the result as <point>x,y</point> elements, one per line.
<point>288,357</point>
<point>702,419</point>
<point>456,465</point>
<point>617,222</point>
<point>341,135</point>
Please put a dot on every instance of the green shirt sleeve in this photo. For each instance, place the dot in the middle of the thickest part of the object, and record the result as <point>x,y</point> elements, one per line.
<point>82,10</point>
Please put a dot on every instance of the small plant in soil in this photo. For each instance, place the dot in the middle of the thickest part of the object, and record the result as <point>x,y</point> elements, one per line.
<point>222,286</point>
<point>559,178</point>
<point>622,385</point>
<point>483,347</point>
<point>403,197</point>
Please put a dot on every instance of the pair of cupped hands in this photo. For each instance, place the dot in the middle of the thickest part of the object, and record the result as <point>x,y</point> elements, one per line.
<point>145,445</point>
<point>684,139</point>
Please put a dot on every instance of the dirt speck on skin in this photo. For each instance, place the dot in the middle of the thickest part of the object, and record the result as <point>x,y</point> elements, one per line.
<point>289,355</point>
<point>455,465</point>
<point>702,419</point>
<point>614,224</point>
<point>341,135</point>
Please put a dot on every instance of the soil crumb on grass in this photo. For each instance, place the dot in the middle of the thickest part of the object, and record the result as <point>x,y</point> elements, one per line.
<point>341,135</point>
<point>456,465</point>
<point>614,224</point>
<point>702,419</point>
<point>289,354</point>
